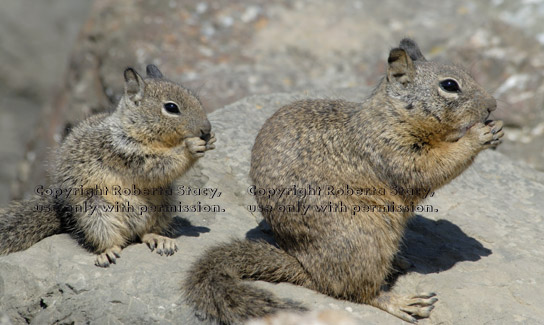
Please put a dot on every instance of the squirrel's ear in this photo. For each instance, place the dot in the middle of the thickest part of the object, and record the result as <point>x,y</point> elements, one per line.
<point>153,72</point>
<point>134,85</point>
<point>412,49</point>
<point>401,68</point>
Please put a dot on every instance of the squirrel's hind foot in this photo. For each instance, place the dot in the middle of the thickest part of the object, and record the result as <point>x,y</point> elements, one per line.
<point>162,245</point>
<point>406,307</point>
<point>109,256</point>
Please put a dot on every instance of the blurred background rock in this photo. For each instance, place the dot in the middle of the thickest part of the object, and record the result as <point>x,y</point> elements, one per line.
<point>51,77</point>
<point>36,39</point>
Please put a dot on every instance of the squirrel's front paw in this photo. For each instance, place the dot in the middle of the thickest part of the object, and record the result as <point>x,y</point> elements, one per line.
<point>496,131</point>
<point>210,143</point>
<point>109,256</point>
<point>160,244</point>
<point>198,146</point>
<point>489,134</point>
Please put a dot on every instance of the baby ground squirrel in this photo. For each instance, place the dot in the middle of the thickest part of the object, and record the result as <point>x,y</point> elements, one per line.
<point>421,127</point>
<point>156,133</point>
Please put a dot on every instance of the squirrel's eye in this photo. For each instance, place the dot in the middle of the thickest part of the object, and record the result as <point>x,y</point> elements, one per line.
<point>171,108</point>
<point>450,86</point>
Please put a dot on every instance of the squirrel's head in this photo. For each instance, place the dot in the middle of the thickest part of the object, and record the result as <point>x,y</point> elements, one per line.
<point>434,93</point>
<point>154,109</point>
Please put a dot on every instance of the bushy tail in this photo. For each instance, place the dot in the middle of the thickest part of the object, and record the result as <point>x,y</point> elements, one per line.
<point>24,223</point>
<point>214,287</point>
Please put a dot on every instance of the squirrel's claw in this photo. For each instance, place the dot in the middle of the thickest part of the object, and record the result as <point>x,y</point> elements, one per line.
<point>108,257</point>
<point>162,245</point>
<point>196,146</point>
<point>494,133</point>
<point>210,144</point>
<point>488,135</point>
<point>406,307</point>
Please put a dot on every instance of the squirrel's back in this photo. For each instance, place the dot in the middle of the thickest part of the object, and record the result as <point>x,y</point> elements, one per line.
<point>304,134</point>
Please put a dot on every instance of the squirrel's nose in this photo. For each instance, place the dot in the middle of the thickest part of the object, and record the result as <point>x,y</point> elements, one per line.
<point>491,105</point>
<point>491,108</point>
<point>205,130</point>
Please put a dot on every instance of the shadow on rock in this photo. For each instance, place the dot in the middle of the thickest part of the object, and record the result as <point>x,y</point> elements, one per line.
<point>183,227</point>
<point>261,232</point>
<point>435,246</point>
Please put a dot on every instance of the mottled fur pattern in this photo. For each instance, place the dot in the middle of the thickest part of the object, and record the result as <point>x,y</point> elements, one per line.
<point>237,301</point>
<point>21,227</point>
<point>418,129</point>
<point>142,145</point>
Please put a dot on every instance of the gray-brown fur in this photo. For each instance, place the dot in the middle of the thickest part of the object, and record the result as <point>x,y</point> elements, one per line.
<point>20,226</point>
<point>236,301</point>
<point>410,133</point>
<point>139,145</point>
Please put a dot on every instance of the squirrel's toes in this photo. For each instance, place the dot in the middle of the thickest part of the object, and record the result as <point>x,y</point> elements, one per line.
<point>162,245</point>
<point>210,144</point>
<point>406,307</point>
<point>196,146</point>
<point>109,256</point>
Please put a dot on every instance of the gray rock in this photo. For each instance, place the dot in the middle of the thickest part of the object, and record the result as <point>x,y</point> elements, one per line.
<point>481,251</point>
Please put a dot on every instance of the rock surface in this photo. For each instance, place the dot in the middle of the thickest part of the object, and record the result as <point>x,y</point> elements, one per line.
<point>228,50</point>
<point>481,252</point>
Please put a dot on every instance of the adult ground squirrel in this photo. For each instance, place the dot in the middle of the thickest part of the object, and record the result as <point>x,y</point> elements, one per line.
<point>111,173</point>
<point>421,127</point>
